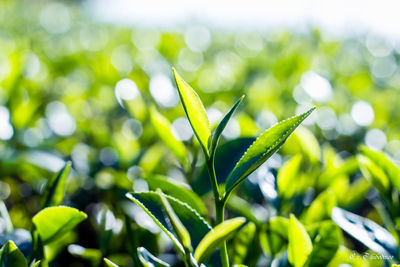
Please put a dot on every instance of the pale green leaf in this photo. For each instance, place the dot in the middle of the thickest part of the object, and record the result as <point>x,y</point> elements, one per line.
<point>263,148</point>
<point>179,229</point>
<point>321,207</point>
<point>109,263</point>
<point>287,176</point>
<point>221,126</point>
<point>216,237</point>
<point>300,245</point>
<point>51,223</point>
<point>242,243</point>
<point>374,174</point>
<point>391,169</point>
<point>11,256</point>
<point>164,131</point>
<point>195,111</point>
<point>175,189</point>
<point>274,235</point>
<point>54,191</point>
<point>148,260</point>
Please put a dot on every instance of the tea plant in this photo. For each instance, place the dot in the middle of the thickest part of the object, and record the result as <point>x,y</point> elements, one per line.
<point>196,247</point>
<point>50,227</point>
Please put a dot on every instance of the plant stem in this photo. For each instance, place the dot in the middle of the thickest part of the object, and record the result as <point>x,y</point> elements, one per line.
<point>219,207</point>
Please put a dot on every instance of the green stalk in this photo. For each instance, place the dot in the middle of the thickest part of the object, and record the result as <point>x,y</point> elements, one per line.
<point>219,206</point>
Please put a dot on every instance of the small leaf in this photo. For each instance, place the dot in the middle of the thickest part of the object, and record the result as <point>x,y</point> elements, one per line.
<point>300,245</point>
<point>263,148</point>
<point>216,237</point>
<point>164,131</point>
<point>374,174</point>
<point>326,240</point>
<point>288,174</point>
<point>274,235</point>
<point>242,243</point>
<point>179,228</point>
<point>54,191</point>
<point>221,126</point>
<point>11,256</point>
<point>150,202</point>
<point>148,260</point>
<point>89,254</point>
<point>195,111</point>
<point>36,264</point>
<point>171,187</point>
<point>8,226</point>
<point>109,263</point>
<point>21,238</point>
<point>53,222</point>
<point>366,231</point>
<point>321,207</point>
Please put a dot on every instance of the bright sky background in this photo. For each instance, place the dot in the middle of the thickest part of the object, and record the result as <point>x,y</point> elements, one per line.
<point>335,16</point>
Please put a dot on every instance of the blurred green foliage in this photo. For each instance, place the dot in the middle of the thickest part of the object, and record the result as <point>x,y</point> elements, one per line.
<point>101,96</point>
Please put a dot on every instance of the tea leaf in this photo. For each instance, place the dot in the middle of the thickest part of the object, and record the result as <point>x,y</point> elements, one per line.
<point>148,260</point>
<point>287,175</point>
<point>179,228</point>
<point>150,202</point>
<point>326,239</point>
<point>11,256</point>
<point>53,222</point>
<point>366,231</point>
<point>391,169</point>
<point>242,243</point>
<point>321,207</point>
<point>163,129</point>
<point>263,148</point>
<point>221,126</point>
<point>172,188</point>
<point>300,245</point>
<point>216,237</point>
<point>54,191</point>
<point>109,263</point>
<point>374,174</point>
<point>195,111</point>
<point>274,235</point>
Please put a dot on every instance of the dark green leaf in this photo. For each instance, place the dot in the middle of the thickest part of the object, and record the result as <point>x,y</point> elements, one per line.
<point>150,202</point>
<point>263,148</point>
<point>173,188</point>
<point>11,256</point>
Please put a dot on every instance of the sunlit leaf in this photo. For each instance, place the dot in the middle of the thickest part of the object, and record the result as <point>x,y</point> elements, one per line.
<point>164,130</point>
<point>263,148</point>
<point>90,254</point>
<point>173,188</point>
<point>325,238</point>
<point>274,235</point>
<point>374,174</point>
<point>321,207</point>
<point>366,231</point>
<point>195,111</point>
<point>287,176</point>
<point>216,237</point>
<point>54,191</point>
<point>109,263</point>
<point>11,256</point>
<point>148,260</point>
<point>53,222</point>
<point>21,238</point>
<point>242,243</point>
<point>300,245</point>
<point>221,126</point>
<point>380,159</point>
